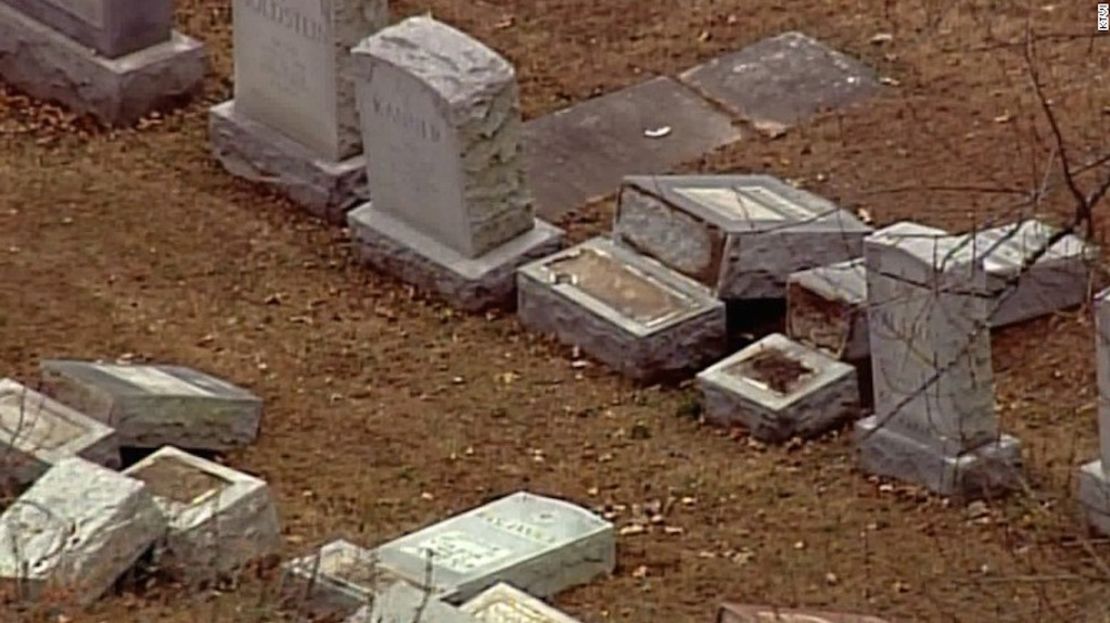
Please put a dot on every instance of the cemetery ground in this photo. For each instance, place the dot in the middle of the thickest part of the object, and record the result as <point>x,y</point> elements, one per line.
<point>386,412</point>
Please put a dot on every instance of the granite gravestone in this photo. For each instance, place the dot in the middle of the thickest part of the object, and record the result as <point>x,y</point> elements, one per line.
<point>451,212</point>
<point>1094,477</point>
<point>111,27</point>
<point>934,422</point>
<point>294,122</point>
<point>502,603</point>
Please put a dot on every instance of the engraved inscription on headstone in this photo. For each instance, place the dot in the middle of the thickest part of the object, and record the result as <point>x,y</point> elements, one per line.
<point>153,380</point>
<point>458,552</point>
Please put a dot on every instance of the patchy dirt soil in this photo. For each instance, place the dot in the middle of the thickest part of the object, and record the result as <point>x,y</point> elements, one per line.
<point>386,412</point>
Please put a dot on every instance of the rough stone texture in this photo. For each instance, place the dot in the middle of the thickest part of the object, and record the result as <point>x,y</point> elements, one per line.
<point>783,81</point>
<point>502,603</point>
<point>403,603</point>
<point>632,313</point>
<point>823,397</point>
<point>336,580</point>
<point>441,116</point>
<point>211,532</point>
<point>580,154</point>
<point>539,544</point>
<point>747,613</point>
<point>75,531</point>
<point>255,152</point>
<point>391,246</point>
<point>1059,278</point>
<point>928,312</point>
<point>826,307</point>
<point>48,65</point>
<point>37,432</point>
<point>154,405</point>
<point>740,235</point>
<point>113,28</point>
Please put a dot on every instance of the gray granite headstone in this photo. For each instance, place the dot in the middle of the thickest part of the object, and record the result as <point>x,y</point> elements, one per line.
<point>1094,477</point>
<point>112,27</point>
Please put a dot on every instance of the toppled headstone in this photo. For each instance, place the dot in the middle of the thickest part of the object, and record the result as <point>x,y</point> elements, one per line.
<point>293,124</point>
<point>1094,477</point>
<point>740,235</point>
<point>783,81</point>
<point>75,532</point>
<point>451,213</point>
<point>826,307</point>
<point>539,544</point>
<point>114,59</point>
<point>745,613</point>
<point>629,311</point>
<point>501,603</point>
<point>37,432</point>
<point>404,603</point>
<point>219,519</point>
<point>155,405</point>
<point>780,389</point>
<point>339,578</point>
<point>928,316</point>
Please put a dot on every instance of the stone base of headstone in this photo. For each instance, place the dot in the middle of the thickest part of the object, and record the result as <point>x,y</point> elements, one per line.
<point>255,152</point>
<point>1094,496</point>
<point>779,389</point>
<point>219,519</point>
<point>75,532</point>
<point>630,312</point>
<point>391,247</point>
<point>48,65</point>
<point>990,469</point>
<point>335,581</point>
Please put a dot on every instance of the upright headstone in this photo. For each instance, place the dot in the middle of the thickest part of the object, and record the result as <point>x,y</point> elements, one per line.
<point>114,59</point>
<point>1094,477</point>
<point>294,123</point>
<point>451,212</point>
<point>934,422</point>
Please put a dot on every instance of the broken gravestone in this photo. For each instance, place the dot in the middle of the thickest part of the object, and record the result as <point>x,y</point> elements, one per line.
<point>504,603</point>
<point>155,405</point>
<point>37,432</point>
<point>1094,477</point>
<point>75,532</point>
<point>219,519</point>
<point>630,312</point>
<point>826,307</point>
<point>451,212</point>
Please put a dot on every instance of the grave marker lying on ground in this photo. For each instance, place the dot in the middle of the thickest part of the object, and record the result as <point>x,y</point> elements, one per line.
<point>1094,477</point>
<point>740,235</point>
<point>631,312</point>
<point>37,432</point>
<point>779,389</point>
<point>339,578</point>
<point>219,519</point>
<point>934,422</point>
<point>502,603</point>
<point>745,613</point>
<point>114,59</point>
<point>75,532</point>
<point>294,122</point>
<point>155,405</point>
<point>451,212</point>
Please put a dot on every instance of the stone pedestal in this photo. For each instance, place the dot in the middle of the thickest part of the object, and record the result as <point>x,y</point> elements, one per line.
<point>632,313</point>
<point>160,68</point>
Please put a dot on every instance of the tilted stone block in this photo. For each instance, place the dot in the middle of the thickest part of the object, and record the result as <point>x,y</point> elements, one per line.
<point>826,307</point>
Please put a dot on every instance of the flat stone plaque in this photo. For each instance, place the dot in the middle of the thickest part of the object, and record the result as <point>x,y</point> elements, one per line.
<point>782,81</point>
<point>579,154</point>
<point>541,544</point>
<point>502,603</point>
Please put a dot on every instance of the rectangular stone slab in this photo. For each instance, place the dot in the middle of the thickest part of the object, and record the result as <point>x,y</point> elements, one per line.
<point>155,405</point>
<point>782,81</point>
<point>502,603</point>
<point>540,544</point>
<point>113,28</point>
<point>37,432</point>
<point>579,154</point>
<point>826,307</point>
<point>749,613</point>
<point>338,579</point>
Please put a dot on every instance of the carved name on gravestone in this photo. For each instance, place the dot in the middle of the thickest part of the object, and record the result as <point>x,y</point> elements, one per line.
<point>934,422</point>
<point>539,544</point>
<point>112,27</point>
<point>1094,477</point>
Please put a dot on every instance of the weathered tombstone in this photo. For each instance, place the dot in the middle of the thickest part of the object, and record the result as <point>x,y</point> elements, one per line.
<point>934,422</point>
<point>780,389</point>
<point>338,579</point>
<point>451,212</point>
<point>539,544</point>
<point>219,519</point>
<point>740,235</point>
<point>403,603</point>
<point>75,532</point>
<point>747,613</point>
<point>1094,477</point>
<point>782,81</point>
<point>37,432</point>
<point>114,59</point>
<point>630,312</point>
<point>294,123</point>
<point>151,406</point>
<point>502,603</point>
